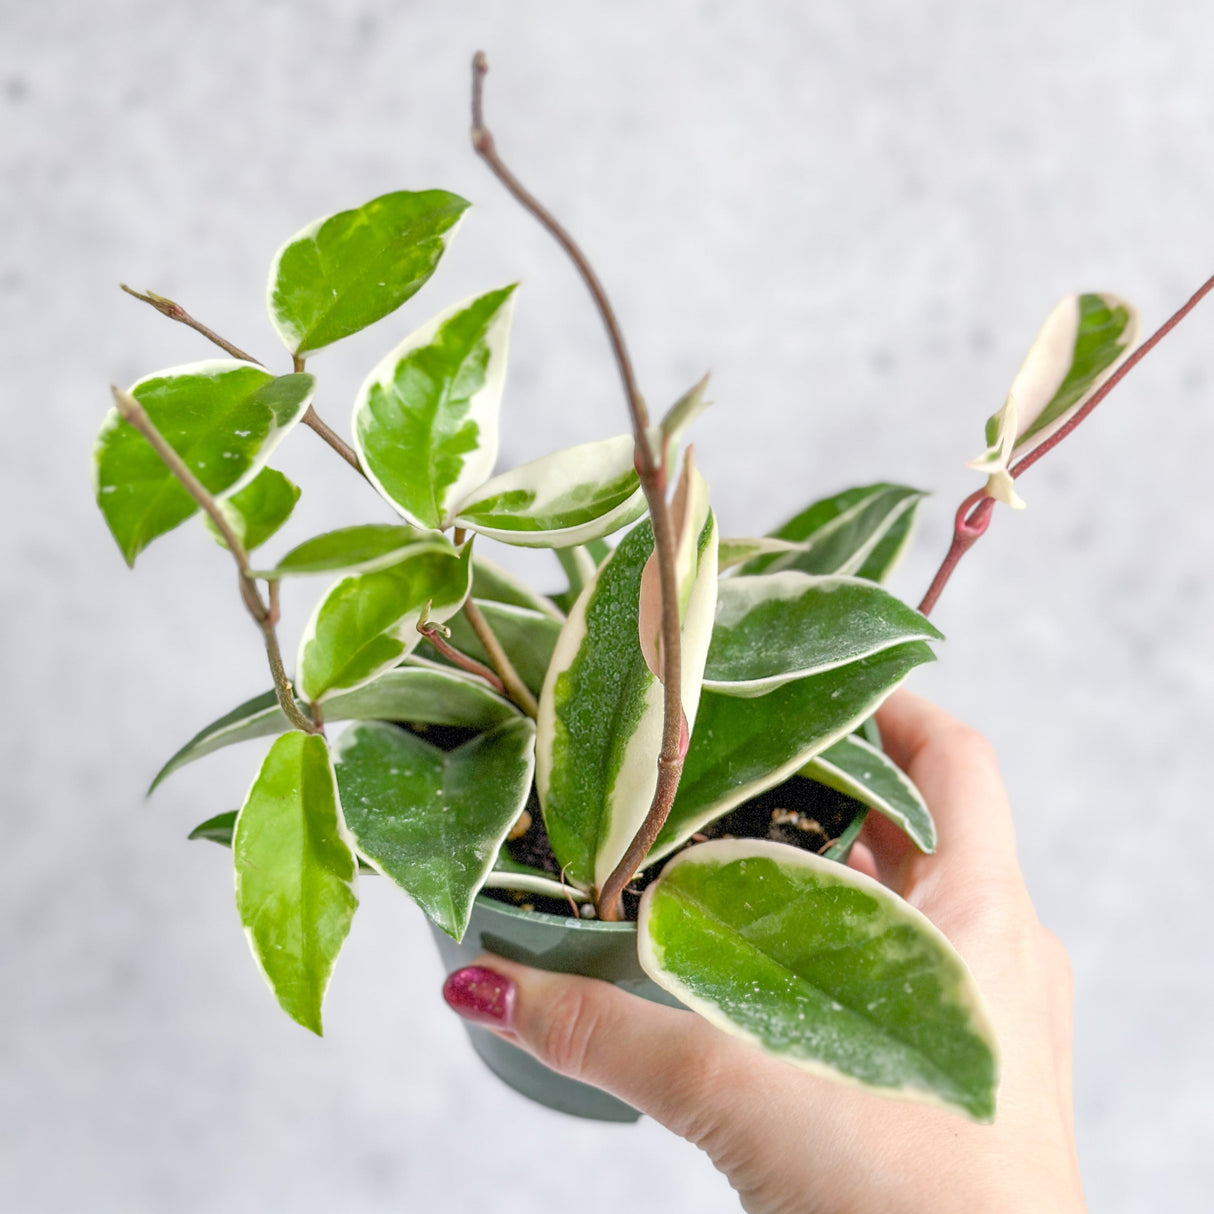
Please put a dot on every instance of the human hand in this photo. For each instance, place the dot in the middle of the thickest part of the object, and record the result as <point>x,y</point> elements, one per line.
<point>793,1143</point>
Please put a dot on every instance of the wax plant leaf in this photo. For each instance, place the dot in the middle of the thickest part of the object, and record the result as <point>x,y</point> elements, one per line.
<point>508,873</point>
<point>367,622</point>
<point>296,874</point>
<point>580,564</point>
<point>492,582</point>
<point>346,271</point>
<point>258,510</point>
<point>570,497</point>
<point>1083,341</point>
<point>742,746</point>
<point>432,820</point>
<point>426,419</point>
<point>737,551</point>
<point>861,771</point>
<point>218,829</point>
<point>223,418</point>
<point>421,695</point>
<point>849,533</point>
<point>528,637</point>
<point>820,966</point>
<point>600,714</point>
<point>361,549</point>
<point>772,628</point>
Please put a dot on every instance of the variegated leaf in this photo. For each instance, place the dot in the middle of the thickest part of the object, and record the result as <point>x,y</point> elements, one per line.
<point>426,419</point>
<point>490,581</point>
<point>600,718</point>
<point>258,510</point>
<point>773,628</point>
<point>368,621</point>
<point>570,497</point>
<point>345,271</point>
<point>742,746</point>
<point>528,638</point>
<point>360,549</point>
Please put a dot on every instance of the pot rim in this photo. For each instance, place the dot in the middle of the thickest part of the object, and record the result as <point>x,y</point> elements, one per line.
<point>565,922</point>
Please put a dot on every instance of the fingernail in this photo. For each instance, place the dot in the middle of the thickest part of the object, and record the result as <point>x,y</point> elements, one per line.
<point>481,995</point>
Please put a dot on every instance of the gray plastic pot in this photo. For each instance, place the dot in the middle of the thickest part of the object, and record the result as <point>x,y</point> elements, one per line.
<point>566,946</point>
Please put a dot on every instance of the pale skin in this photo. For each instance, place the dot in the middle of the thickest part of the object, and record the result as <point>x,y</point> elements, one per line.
<point>792,1143</point>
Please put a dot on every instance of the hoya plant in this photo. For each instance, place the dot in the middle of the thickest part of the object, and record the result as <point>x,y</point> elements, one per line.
<point>594,752</point>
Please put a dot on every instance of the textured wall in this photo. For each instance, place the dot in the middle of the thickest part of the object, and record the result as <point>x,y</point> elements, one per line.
<point>856,214</point>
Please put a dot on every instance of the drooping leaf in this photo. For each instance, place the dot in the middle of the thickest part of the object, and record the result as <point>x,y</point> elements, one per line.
<point>426,696</point>
<point>528,637</point>
<point>490,581</point>
<point>433,820</point>
<point>822,967</point>
<point>361,549</point>
<point>775,627</point>
<point>845,532</point>
<point>600,718</point>
<point>570,497</point>
<point>368,621</point>
<point>346,271</point>
<point>223,418</point>
<point>296,874</point>
<point>853,767</point>
<point>258,510</point>
<point>742,746</point>
<point>426,419</point>
<point>1083,341</point>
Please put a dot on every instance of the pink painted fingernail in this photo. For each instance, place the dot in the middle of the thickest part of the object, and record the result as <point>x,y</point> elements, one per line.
<point>481,995</point>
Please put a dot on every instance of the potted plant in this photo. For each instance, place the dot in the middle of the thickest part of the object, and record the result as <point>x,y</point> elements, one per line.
<point>648,777</point>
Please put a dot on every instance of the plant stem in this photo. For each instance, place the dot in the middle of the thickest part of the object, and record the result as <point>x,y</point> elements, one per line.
<point>974,515</point>
<point>462,660</point>
<point>512,684</point>
<point>652,472</point>
<point>131,411</point>
<point>174,311</point>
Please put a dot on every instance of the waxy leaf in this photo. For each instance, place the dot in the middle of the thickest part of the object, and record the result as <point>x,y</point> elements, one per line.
<point>492,582</point>
<point>742,746</point>
<point>258,510</point>
<point>367,622</point>
<point>580,564</point>
<point>820,966</point>
<point>510,874</point>
<point>776,627</point>
<point>1081,344</point>
<point>346,271</point>
<point>218,829</point>
<point>868,775</point>
<point>426,419</point>
<point>223,418</point>
<point>600,718</point>
<point>296,874</point>
<point>567,498</point>
<point>432,820</point>
<point>528,637</point>
<point>426,696</point>
<point>361,549</point>
<point>849,533</point>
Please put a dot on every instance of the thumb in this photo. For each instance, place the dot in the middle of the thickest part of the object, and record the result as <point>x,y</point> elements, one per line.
<point>669,1064</point>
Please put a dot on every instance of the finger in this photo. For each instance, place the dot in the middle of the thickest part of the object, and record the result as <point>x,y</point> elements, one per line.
<point>955,769</point>
<point>667,1063</point>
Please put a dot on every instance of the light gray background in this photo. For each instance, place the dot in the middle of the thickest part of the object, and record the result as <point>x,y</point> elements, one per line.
<point>856,214</point>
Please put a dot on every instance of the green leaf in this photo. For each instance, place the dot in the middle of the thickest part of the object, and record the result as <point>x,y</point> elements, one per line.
<point>296,874</point>
<point>223,418</point>
<point>508,873</point>
<point>433,820</point>
<point>1081,344</point>
<point>743,746</point>
<point>528,637</point>
<point>258,510</point>
<point>346,271</point>
<point>361,549</point>
<point>426,419</point>
<point>844,532</point>
<point>600,718</point>
<point>218,829</point>
<point>492,582</point>
<point>580,564</point>
<point>776,627</point>
<point>368,621</point>
<point>570,497</point>
<point>425,696</point>
<point>853,767</point>
<point>822,967</point>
